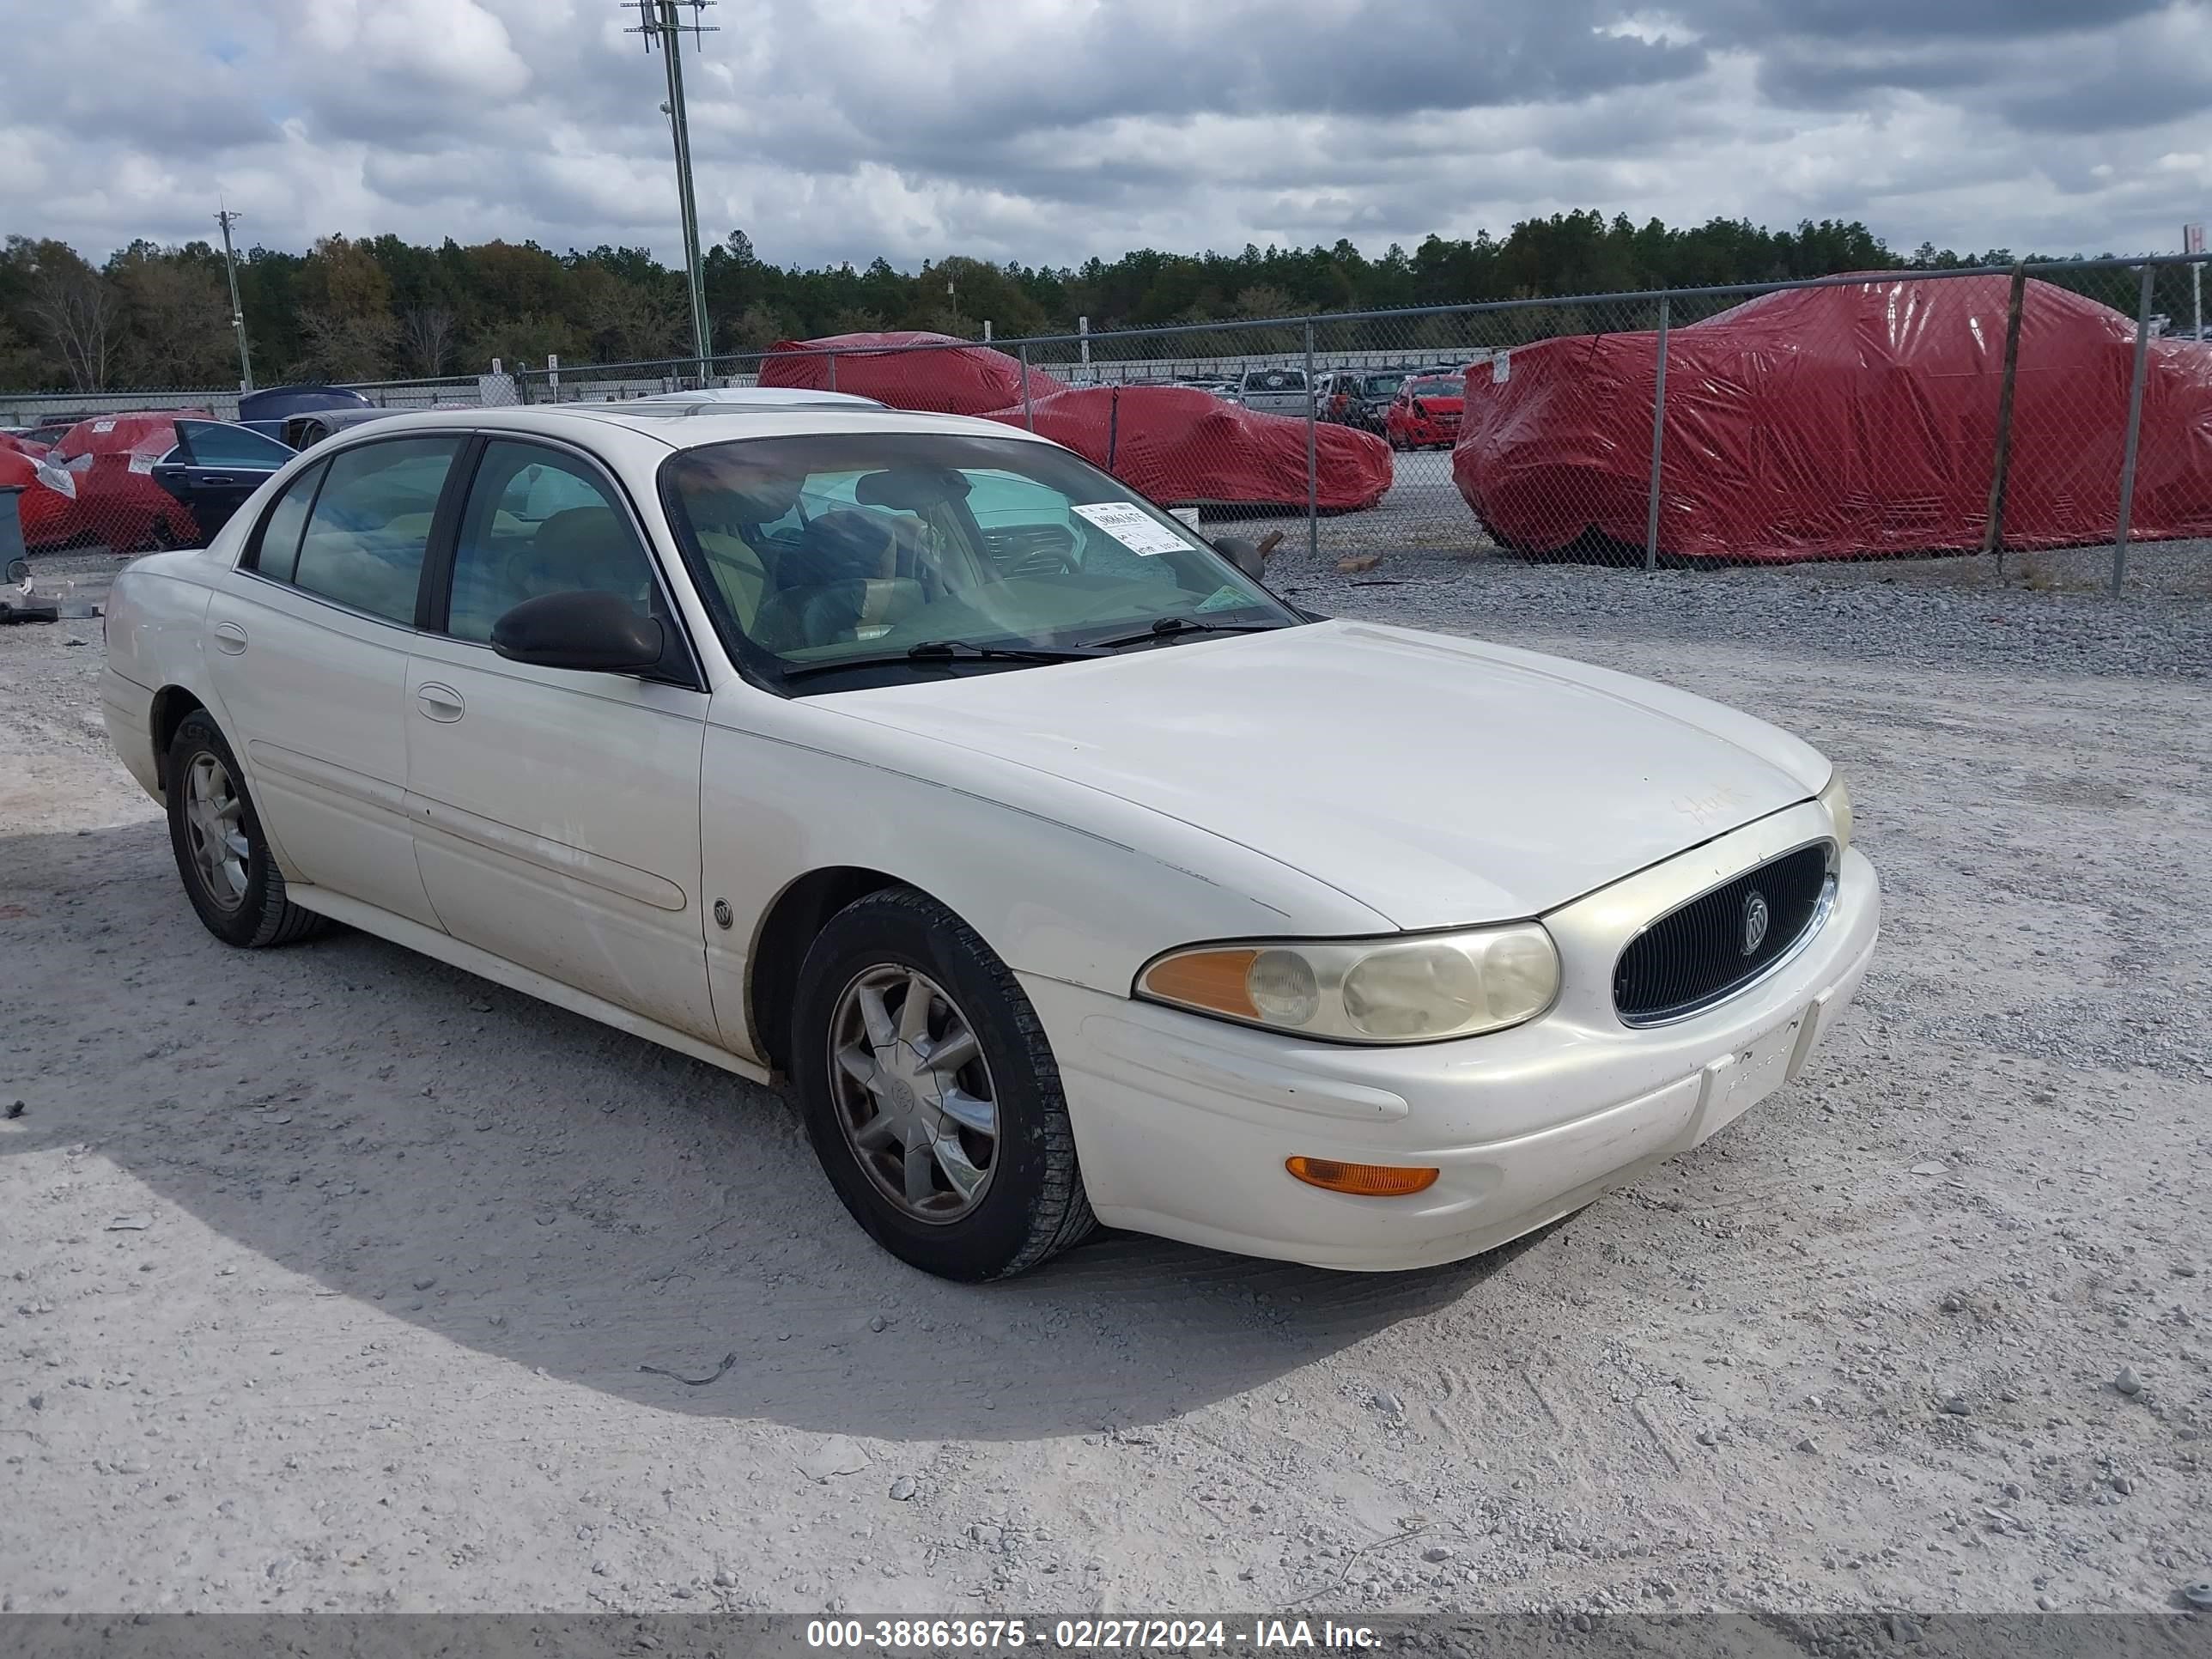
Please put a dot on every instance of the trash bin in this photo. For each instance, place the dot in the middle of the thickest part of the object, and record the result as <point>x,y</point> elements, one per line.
<point>11,523</point>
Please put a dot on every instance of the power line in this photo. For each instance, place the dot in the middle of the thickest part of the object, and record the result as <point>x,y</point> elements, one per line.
<point>660,23</point>
<point>226,218</point>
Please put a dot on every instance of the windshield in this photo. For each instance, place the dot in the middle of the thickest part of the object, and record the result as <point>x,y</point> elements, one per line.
<point>857,547</point>
<point>1436,386</point>
<point>1382,385</point>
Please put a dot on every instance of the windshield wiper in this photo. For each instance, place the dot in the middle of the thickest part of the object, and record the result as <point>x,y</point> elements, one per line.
<point>941,651</point>
<point>1168,628</point>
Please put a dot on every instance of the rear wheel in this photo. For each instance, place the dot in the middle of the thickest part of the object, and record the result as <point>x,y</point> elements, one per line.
<point>930,1094</point>
<point>223,857</point>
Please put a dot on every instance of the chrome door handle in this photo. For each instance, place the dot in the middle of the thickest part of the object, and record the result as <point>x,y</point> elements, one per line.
<point>439,702</point>
<point>230,639</point>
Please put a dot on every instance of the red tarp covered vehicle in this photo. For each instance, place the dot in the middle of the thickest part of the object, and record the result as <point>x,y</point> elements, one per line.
<point>17,443</point>
<point>48,517</point>
<point>1829,423</point>
<point>105,465</point>
<point>1181,447</point>
<point>959,379</point>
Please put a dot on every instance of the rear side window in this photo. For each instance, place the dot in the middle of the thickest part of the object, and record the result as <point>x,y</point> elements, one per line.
<point>371,524</point>
<point>278,550</point>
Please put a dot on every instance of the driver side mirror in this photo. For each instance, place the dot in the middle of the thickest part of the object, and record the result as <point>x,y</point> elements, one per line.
<point>590,632</point>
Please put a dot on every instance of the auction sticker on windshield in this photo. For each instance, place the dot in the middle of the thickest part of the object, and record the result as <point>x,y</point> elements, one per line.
<point>1131,528</point>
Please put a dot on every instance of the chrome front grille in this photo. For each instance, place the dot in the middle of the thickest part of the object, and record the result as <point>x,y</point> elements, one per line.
<point>1719,943</point>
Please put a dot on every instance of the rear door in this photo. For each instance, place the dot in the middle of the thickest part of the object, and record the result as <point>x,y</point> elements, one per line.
<point>309,640</point>
<point>557,811</point>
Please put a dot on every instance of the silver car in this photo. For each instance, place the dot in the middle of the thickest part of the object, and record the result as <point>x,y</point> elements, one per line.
<point>1276,392</point>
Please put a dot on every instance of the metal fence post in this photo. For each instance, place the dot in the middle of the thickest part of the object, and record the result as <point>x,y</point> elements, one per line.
<point>2135,431</point>
<point>1029,415</point>
<point>833,371</point>
<point>1658,446</point>
<point>1313,469</point>
<point>2001,462</point>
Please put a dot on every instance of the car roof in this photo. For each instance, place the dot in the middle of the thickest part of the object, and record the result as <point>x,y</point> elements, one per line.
<point>755,397</point>
<point>690,425</point>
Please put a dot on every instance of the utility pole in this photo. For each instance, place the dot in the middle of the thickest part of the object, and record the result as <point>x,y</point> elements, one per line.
<point>659,24</point>
<point>225,218</point>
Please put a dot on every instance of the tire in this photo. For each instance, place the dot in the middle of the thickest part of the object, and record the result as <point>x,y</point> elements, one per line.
<point>222,858</point>
<point>1029,1204</point>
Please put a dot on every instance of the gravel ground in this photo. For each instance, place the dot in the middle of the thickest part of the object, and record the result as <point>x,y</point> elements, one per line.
<point>334,1275</point>
<point>1422,525</point>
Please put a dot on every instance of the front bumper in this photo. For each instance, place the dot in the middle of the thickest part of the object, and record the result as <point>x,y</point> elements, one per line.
<point>1182,1123</point>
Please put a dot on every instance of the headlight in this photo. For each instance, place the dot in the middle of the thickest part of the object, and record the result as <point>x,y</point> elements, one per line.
<point>1838,799</point>
<point>1419,989</point>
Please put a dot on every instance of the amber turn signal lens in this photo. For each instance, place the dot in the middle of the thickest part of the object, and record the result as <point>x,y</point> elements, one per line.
<point>1363,1180</point>
<point>1206,979</point>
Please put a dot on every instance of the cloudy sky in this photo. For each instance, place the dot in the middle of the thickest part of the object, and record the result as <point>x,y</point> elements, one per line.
<point>1046,131</point>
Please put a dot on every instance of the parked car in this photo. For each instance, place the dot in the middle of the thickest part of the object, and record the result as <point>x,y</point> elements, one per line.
<point>214,467</point>
<point>1225,390</point>
<point>1027,879</point>
<point>1820,427</point>
<point>45,516</point>
<point>1360,398</point>
<point>104,467</point>
<point>1180,450</point>
<point>1275,392</point>
<point>1424,414</point>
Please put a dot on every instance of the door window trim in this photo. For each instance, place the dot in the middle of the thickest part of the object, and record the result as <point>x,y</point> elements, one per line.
<point>434,611</point>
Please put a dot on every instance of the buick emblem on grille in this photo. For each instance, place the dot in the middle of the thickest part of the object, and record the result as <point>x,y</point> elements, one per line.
<point>1756,916</point>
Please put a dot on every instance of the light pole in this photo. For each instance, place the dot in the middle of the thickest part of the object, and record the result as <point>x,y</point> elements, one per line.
<point>237,312</point>
<point>659,23</point>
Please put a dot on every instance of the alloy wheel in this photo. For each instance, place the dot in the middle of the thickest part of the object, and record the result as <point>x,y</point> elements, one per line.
<point>913,1093</point>
<point>214,822</point>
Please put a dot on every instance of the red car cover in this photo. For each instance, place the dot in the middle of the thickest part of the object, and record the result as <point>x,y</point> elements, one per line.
<point>15,443</point>
<point>108,462</point>
<point>1183,447</point>
<point>1829,423</point>
<point>959,380</point>
<point>48,517</point>
<point>1178,446</point>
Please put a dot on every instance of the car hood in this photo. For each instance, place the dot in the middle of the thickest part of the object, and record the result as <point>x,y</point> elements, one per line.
<point>1439,780</point>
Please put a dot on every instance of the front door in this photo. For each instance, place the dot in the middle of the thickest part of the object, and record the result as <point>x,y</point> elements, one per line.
<point>213,468</point>
<point>556,812</point>
<point>309,639</point>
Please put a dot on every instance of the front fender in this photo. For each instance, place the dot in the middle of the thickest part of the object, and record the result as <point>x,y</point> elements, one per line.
<point>1062,881</point>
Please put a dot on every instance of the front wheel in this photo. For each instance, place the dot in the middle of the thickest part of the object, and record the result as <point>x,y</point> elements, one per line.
<point>930,1094</point>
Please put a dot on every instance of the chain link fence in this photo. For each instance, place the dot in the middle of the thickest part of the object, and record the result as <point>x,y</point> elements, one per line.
<point>2048,425</point>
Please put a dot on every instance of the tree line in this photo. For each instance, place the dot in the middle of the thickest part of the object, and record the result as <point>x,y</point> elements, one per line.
<point>378,308</point>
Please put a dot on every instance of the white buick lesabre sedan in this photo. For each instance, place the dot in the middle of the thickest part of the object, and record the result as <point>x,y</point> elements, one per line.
<point>1064,870</point>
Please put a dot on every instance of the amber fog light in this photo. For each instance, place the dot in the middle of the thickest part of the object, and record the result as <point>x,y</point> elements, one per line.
<point>1362,1180</point>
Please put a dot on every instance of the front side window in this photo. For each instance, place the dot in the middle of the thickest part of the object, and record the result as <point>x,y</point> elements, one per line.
<point>859,548</point>
<point>539,521</point>
<point>215,443</point>
<point>371,524</point>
